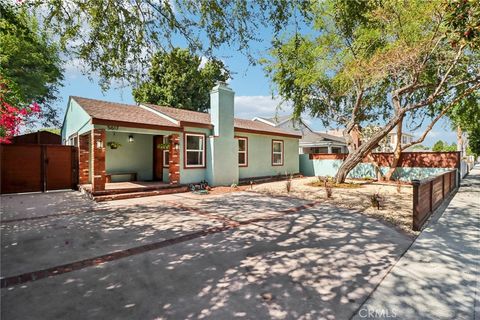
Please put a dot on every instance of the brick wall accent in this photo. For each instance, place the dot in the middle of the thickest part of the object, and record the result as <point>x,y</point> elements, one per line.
<point>98,151</point>
<point>421,159</point>
<point>174,163</point>
<point>329,156</point>
<point>407,159</point>
<point>83,158</point>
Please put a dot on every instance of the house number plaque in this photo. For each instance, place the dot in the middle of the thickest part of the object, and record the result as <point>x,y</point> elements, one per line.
<point>112,127</point>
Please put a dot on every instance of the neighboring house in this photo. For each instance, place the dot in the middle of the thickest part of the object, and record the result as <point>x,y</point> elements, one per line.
<point>389,144</point>
<point>174,145</point>
<point>312,141</point>
<point>39,137</point>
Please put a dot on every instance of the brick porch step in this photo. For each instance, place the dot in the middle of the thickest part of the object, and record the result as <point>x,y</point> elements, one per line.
<point>139,194</point>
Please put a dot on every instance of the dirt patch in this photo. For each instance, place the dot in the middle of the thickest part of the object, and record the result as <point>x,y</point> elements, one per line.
<point>395,203</point>
<point>222,190</point>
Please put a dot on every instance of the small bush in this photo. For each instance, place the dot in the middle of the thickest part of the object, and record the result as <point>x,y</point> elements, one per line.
<point>399,186</point>
<point>288,185</point>
<point>375,200</point>
<point>327,184</point>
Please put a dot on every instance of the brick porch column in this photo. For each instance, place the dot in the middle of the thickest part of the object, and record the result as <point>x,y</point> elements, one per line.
<point>83,158</point>
<point>174,161</point>
<point>98,152</point>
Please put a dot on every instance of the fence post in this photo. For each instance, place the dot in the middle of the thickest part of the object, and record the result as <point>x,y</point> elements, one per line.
<point>415,184</point>
<point>431,195</point>
<point>43,167</point>
<point>443,186</point>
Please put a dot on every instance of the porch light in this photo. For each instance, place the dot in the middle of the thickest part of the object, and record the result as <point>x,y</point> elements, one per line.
<point>130,138</point>
<point>99,144</point>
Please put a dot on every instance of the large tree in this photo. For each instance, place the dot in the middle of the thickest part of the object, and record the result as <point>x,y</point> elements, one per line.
<point>30,65</point>
<point>117,39</point>
<point>180,79</point>
<point>379,61</point>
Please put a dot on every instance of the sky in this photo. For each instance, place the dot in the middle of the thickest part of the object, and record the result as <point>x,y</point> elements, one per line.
<point>253,94</point>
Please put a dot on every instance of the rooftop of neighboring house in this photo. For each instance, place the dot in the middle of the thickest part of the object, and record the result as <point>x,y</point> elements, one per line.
<point>287,122</point>
<point>163,116</point>
<point>393,133</point>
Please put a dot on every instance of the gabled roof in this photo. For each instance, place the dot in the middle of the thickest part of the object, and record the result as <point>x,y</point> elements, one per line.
<point>150,114</point>
<point>112,111</point>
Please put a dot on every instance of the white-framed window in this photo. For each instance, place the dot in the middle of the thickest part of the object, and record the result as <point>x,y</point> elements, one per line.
<point>72,141</point>
<point>242,151</point>
<point>277,152</point>
<point>194,150</point>
<point>166,154</point>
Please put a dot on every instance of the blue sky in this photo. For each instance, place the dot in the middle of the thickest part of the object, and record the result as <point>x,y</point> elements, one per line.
<point>251,86</point>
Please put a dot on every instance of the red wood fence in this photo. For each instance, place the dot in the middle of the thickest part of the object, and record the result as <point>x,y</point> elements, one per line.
<point>429,194</point>
<point>29,168</point>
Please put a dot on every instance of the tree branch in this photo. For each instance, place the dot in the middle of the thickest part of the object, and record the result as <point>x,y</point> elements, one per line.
<point>439,116</point>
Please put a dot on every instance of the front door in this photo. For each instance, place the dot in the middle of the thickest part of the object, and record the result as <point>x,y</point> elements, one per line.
<point>157,158</point>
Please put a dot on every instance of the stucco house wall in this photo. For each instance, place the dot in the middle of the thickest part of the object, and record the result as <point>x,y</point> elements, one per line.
<point>260,156</point>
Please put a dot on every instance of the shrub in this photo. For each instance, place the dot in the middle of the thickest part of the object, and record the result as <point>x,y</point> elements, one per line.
<point>328,187</point>
<point>399,186</point>
<point>288,185</point>
<point>375,200</point>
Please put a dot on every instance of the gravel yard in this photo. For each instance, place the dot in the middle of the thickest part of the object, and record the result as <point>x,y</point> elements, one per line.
<point>396,207</point>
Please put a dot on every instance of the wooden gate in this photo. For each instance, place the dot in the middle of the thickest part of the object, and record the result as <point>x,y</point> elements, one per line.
<point>29,168</point>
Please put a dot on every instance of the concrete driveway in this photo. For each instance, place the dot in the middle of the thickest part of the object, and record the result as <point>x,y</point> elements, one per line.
<point>238,255</point>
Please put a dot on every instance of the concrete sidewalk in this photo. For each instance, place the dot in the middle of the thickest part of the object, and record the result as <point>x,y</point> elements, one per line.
<point>438,276</point>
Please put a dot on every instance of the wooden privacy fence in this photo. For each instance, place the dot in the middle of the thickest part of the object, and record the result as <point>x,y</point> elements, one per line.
<point>429,193</point>
<point>29,168</point>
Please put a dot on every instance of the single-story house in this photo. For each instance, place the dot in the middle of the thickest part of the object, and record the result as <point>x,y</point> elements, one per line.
<point>148,142</point>
<point>311,141</point>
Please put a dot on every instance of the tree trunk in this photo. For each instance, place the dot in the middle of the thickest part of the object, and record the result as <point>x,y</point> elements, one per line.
<point>397,153</point>
<point>460,141</point>
<point>348,164</point>
<point>356,156</point>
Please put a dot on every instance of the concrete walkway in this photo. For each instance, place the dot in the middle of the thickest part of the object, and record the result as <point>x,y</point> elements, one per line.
<point>438,277</point>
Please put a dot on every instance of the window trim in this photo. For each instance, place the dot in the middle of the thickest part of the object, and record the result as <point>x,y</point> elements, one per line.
<point>282,152</point>
<point>246,150</point>
<point>194,166</point>
<point>166,140</point>
<point>166,165</point>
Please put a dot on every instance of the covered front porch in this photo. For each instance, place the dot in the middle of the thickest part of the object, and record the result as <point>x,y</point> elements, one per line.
<point>114,160</point>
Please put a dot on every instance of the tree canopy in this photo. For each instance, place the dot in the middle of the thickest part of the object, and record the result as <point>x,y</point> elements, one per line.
<point>178,79</point>
<point>443,146</point>
<point>379,62</point>
<point>117,39</point>
<point>30,69</point>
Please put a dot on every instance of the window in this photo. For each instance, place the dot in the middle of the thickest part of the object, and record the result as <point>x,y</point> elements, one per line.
<point>194,150</point>
<point>166,154</point>
<point>404,139</point>
<point>277,152</point>
<point>242,152</point>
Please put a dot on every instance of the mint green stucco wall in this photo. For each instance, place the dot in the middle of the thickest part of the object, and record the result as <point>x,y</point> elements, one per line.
<point>222,169</point>
<point>329,167</point>
<point>134,156</point>
<point>76,121</point>
<point>260,156</point>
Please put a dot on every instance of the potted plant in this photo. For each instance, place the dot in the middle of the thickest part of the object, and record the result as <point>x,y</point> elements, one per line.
<point>163,146</point>
<point>113,145</point>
